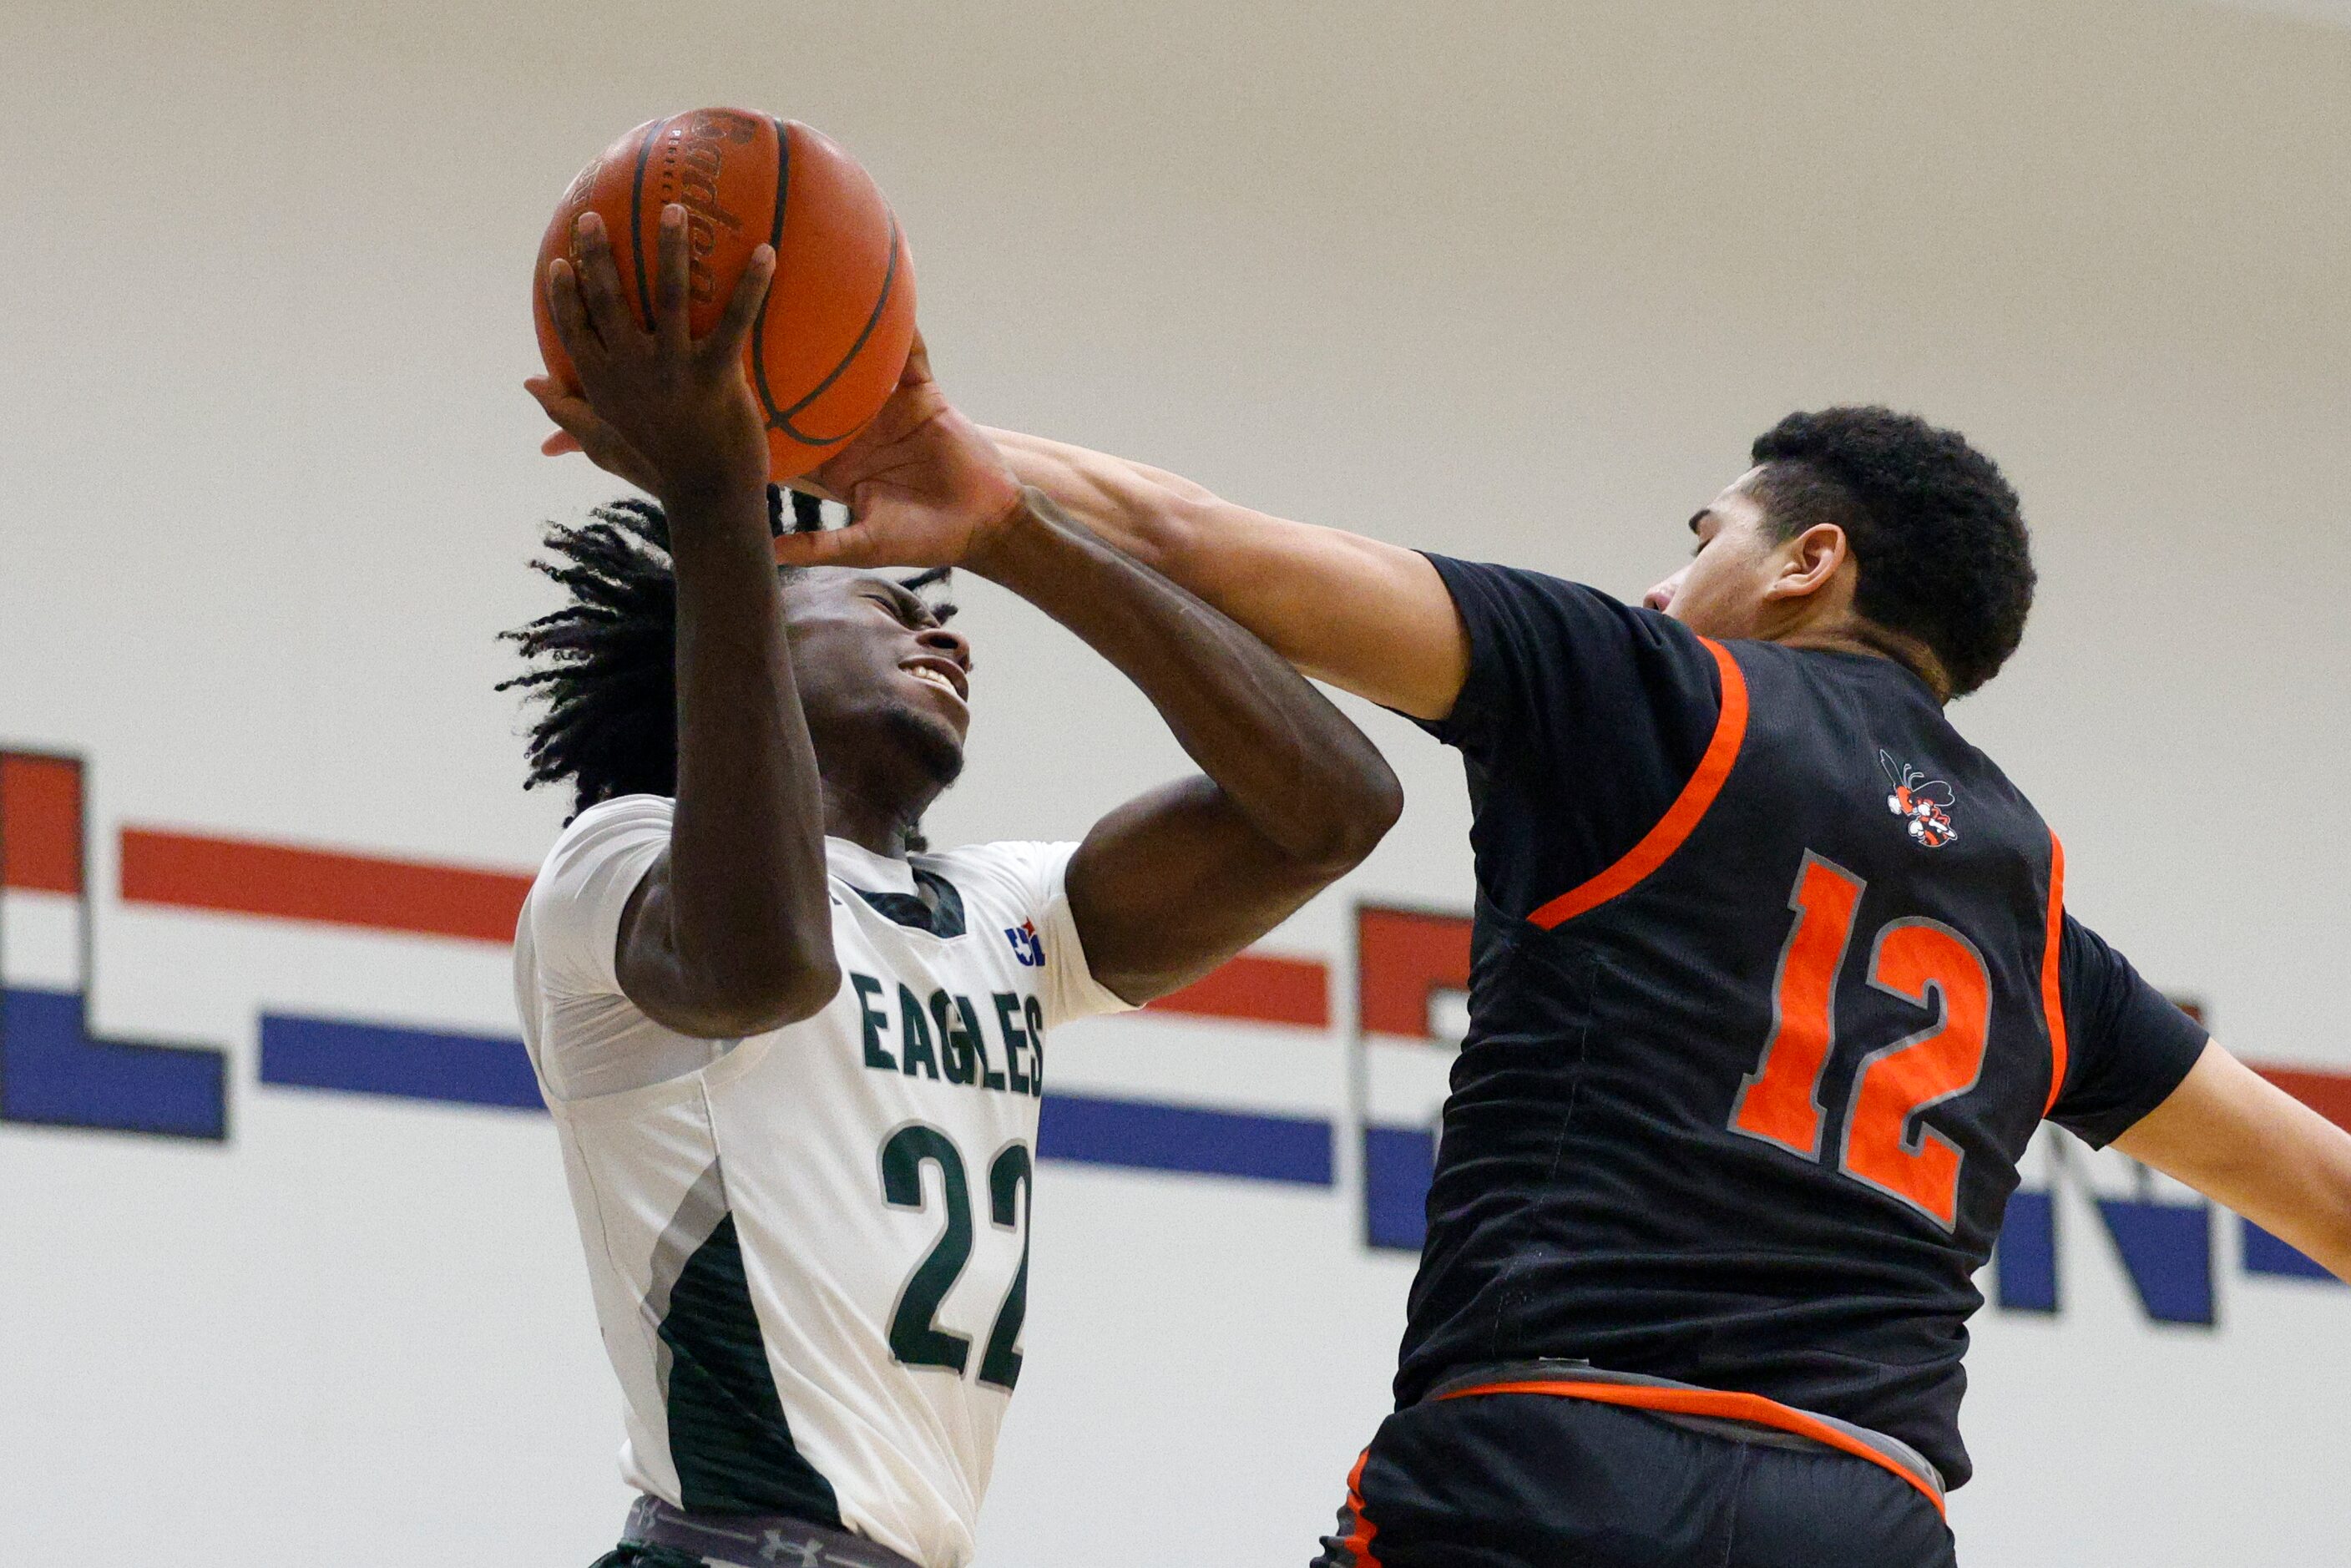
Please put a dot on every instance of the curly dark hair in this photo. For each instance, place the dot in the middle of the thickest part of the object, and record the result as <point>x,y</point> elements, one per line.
<point>605,665</point>
<point>1935,531</point>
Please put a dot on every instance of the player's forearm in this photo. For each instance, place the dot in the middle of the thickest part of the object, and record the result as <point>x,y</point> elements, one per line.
<point>2298,1186</point>
<point>1304,778</point>
<point>2243,1142</point>
<point>2308,1207</point>
<point>1371,618</point>
<point>1151,515</point>
<point>2322,1230</point>
<point>750,930</point>
<point>1178,529</point>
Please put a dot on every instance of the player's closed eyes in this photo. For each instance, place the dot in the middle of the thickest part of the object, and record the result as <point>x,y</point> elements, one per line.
<point>908,610</point>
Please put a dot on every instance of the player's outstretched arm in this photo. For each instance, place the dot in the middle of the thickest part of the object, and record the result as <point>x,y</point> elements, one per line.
<point>1171,884</point>
<point>1371,618</point>
<point>2243,1141</point>
<point>729,933</point>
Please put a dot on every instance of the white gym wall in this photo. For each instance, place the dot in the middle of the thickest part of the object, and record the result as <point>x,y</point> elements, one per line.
<point>1516,280</point>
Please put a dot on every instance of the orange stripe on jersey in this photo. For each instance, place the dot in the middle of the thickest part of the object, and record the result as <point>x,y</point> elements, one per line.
<point>2052,985</point>
<point>1752,1408</point>
<point>1681,819</point>
<point>1359,1539</point>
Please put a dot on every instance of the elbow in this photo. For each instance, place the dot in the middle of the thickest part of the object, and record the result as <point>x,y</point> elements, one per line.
<point>1359,811</point>
<point>764,1003</point>
<point>804,991</point>
<point>809,991</point>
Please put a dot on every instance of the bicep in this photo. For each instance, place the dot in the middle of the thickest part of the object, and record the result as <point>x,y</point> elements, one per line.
<point>2242,1140</point>
<point>644,955</point>
<point>1369,617</point>
<point>656,976</point>
<point>1372,618</point>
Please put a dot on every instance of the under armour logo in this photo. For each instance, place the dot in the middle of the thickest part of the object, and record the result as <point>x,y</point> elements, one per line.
<point>802,1553</point>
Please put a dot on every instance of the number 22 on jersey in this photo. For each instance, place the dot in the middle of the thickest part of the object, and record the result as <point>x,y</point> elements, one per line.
<point>915,1337</point>
<point>1924,963</point>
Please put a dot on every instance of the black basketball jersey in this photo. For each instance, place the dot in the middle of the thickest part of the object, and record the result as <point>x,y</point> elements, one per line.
<point>1771,985</point>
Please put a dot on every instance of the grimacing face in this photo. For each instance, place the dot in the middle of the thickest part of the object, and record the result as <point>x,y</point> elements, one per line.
<point>1721,591</point>
<point>885,684</point>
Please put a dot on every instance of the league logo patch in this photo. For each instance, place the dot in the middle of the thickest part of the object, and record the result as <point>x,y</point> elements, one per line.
<point>1921,801</point>
<point>1027,945</point>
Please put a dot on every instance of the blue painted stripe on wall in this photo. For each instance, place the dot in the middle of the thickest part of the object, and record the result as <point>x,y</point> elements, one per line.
<point>1398,1162</point>
<point>409,1064</point>
<point>2024,1257</point>
<point>2167,1251</point>
<point>475,1070</point>
<point>1142,1135</point>
<point>2265,1254</point>
<point>53,1073</point>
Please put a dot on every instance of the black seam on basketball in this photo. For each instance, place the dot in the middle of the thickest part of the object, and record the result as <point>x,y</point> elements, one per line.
<point>783,421</point>
<point>775,241</point>
<point>637,218</point>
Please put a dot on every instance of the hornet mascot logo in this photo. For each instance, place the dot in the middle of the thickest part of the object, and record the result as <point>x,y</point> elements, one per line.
<point>1920,801</point>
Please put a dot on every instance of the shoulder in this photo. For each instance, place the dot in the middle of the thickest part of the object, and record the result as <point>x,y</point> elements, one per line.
<point>1020,874</point>
<point>1552,660</point>
<point>619,838</point>
<point>1547,624</point>
<point>573,910</point>
<point>2128,1045</point>
<point>1020,887</point>
<point>1487,585</point>
<point>608,824</point>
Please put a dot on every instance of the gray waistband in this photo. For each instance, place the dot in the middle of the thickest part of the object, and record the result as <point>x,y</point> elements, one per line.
<point>1894,1450</point>
<point>752,1541</point>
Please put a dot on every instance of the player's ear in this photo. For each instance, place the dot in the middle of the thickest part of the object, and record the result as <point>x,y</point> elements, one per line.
<point>1809,562</point>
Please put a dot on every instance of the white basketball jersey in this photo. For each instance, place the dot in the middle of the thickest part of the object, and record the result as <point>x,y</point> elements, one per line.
<point>809,1247</point>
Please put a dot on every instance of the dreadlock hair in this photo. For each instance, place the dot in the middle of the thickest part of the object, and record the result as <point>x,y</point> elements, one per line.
<point>1935,531</point>
<point>605,665</point>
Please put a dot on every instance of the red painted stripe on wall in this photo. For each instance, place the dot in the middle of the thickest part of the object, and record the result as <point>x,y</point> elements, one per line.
<point>2328,1093</point>
<point>1259,988</point>
<point>1404,953</point>
<point>40,822</point>
<point>282,882</point>
<point>376,892</point>
<point>1407,955</point>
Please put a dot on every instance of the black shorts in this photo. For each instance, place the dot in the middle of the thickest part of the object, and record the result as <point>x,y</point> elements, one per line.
<point>1539,1481</point>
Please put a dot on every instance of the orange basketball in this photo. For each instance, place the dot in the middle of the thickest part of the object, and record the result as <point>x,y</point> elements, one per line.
<point>833,337</point>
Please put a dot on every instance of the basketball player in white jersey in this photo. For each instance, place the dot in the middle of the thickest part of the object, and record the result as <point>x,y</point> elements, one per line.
<point>795,1062</point>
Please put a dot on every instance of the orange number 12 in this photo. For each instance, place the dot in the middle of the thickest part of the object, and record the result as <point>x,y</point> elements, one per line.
<point>1924,963</point>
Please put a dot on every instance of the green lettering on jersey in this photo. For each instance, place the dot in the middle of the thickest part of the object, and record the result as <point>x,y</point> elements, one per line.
<point>874,1021</point>
<point>1009,1186</point>
<point>988,1077</point>
<point>915,1035</point>
<point>1007,1010</point>
<point>1036,1011</point>
<point>954,1040</point>
<point>915,1337</point>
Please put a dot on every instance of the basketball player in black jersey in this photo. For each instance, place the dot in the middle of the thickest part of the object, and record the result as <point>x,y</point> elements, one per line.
<point>1772,982</point>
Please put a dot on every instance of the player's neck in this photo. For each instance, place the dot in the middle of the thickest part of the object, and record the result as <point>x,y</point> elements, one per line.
<point>1852,634</point>
<point>867,820</point>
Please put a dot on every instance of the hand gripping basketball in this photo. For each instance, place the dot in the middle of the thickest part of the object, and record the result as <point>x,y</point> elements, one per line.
<point>826,347</point>
<point>660,408</point>
<point>924,486</point>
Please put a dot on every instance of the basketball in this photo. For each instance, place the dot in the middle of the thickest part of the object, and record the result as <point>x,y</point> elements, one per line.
<point>833,337</point>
